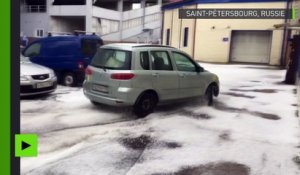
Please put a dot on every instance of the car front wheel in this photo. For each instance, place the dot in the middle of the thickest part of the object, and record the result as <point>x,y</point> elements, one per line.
<point>209,95</point>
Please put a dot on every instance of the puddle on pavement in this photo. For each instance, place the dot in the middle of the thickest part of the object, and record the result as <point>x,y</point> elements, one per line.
<point>39,110</point>
<point>238,95</point>
<point>180,108</point>
<point>193,114</point>
<point>296,160</point>
<point>294,91</point>
<point>223,107</point>
<point>273,76</point>
<point>171,145</point>
<point>268,91</point>
<point>137,143</point>
<point>39,97</point>
<point>225,136</point>
<point>263,67</point>
<point>141,142</point>
<point>265,115</point>
<point>221,168</point>
<point>243,86</point>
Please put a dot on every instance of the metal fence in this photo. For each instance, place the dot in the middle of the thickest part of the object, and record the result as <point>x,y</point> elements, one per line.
<point>34,8</point>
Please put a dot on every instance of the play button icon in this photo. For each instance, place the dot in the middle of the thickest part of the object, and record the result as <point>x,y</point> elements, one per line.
<point>26,145</point>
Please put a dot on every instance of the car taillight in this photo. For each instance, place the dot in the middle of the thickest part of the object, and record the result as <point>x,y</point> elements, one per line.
<point>88,71</point>
<point>122,76</point>
<point>80,65</point>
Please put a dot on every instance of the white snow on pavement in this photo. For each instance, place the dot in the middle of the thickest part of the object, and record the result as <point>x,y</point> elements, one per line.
<point>260,131</point>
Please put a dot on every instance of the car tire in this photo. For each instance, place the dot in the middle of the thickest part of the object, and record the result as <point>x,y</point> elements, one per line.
<point>69,79</point>
<point>145,105</point>
<point>209,95</point>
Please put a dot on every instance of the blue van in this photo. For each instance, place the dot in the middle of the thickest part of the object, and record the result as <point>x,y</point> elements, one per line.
<point>67,55</point>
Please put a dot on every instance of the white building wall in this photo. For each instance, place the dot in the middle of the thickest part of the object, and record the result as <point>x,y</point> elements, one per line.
<point>104,22</point>
<point>30,22</point>
<point>68,10</point>
<point>105,13</point>
<point>210,39</point>
<point>104,26</point>
<point>62,24</point>
<point>210,32</point>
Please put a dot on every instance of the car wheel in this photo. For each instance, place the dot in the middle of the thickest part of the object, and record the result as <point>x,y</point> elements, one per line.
<point>69,79</point>
<point>145,104</point>
<point>209,95</point>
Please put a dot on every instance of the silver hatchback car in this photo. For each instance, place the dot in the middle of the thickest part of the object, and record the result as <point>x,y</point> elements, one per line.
<point>35,79</point>
<point>143,76</point>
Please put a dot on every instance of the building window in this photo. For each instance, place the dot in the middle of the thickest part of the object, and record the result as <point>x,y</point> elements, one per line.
<point>168,37</point>
<point>39,33</point>
<point>186,37</point>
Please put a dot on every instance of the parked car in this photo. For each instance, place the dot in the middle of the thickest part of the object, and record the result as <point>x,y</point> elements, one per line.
<point>67,55</point>
<point>143,76</point>
<point>36,79</point>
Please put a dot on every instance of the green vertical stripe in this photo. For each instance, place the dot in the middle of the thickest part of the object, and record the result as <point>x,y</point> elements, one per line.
<point>5,88</point>
<point>293,13</point>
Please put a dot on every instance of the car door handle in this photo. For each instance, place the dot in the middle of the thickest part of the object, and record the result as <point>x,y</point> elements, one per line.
<point>155,74</point>
<point>182,75</point>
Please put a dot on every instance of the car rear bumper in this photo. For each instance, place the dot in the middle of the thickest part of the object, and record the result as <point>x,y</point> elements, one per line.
<point>106,100</point>
<point>122,96</point>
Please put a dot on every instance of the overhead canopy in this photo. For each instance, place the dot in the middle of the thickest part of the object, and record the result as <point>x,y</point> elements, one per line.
<point>191,2</point>
<point>69,2</point>
<point>36,2</point>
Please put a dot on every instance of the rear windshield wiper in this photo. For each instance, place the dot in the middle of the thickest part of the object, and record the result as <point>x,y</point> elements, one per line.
<point>102,67</point>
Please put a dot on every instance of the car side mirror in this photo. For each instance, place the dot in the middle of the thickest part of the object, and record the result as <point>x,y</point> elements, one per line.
<point>199,69</point>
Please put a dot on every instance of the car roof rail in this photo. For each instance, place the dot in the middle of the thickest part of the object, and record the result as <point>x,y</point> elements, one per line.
<point>75,32</point>
<point>84,32</point>
<point>55,33</point>
<point>154,45</point>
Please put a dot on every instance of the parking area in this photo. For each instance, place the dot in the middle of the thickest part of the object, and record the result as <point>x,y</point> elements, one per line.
<point>252,128</point>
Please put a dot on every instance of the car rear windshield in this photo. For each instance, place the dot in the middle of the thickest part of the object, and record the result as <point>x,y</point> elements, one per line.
<point>112,59</point>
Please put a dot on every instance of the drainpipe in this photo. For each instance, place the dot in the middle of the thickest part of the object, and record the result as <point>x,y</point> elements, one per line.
<point>120,10</point>
<point>89,16</point>
<point>160,40</point>
<point>143,5</point>
<point>283,48</point>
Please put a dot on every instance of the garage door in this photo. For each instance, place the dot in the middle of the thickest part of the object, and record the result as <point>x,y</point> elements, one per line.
<point>251,46</point>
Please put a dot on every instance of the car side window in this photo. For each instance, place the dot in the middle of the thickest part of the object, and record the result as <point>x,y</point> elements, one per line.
<point>160,60</point>
<point>144,60</point>
<point>183,62</point>
<point>33,50</point>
